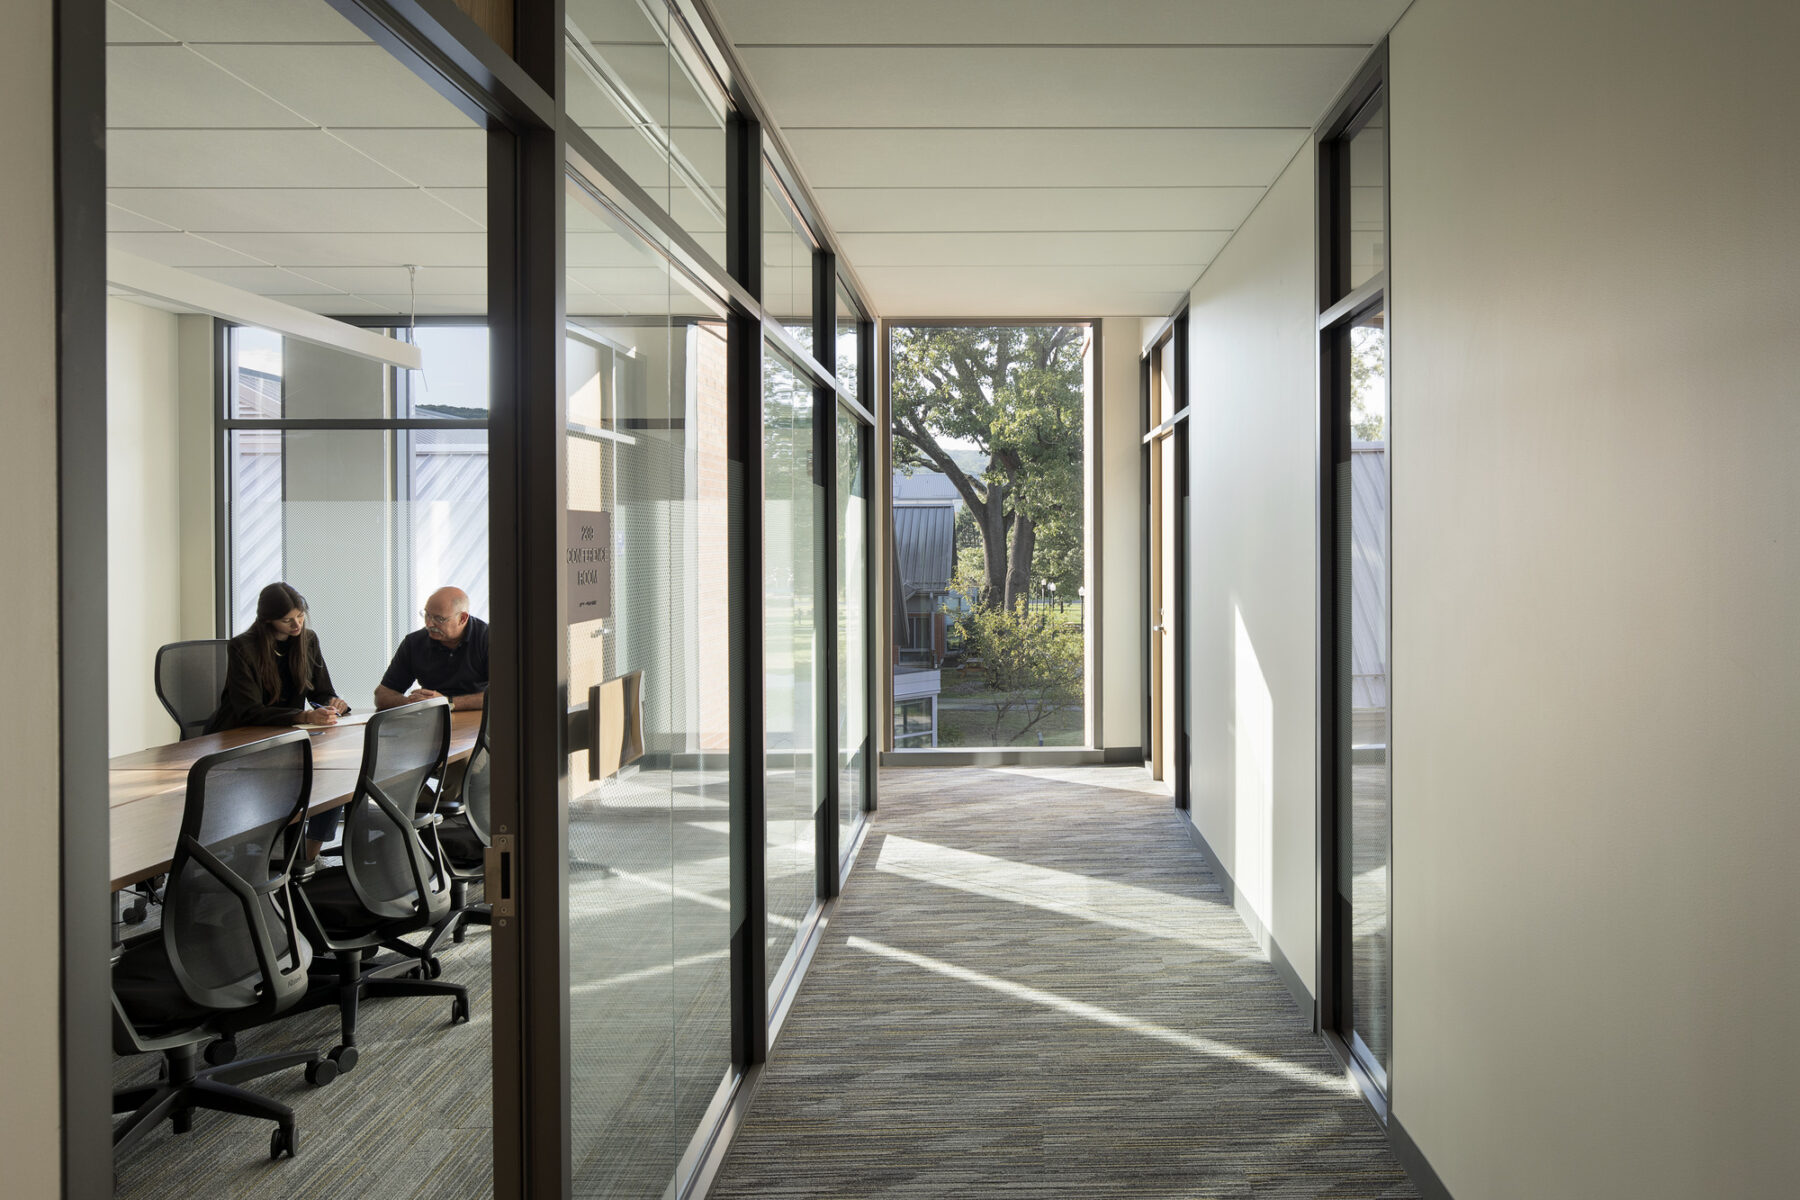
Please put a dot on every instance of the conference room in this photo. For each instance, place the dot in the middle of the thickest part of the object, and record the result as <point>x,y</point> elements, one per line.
<point>300,392</point>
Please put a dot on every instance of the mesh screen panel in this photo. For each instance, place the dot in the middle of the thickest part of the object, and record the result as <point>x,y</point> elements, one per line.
<point>191,677</point>
<point>245,804</point>
<point>377,847</point>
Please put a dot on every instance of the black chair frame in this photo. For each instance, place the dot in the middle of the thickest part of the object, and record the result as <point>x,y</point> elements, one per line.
<point>187,1086</point>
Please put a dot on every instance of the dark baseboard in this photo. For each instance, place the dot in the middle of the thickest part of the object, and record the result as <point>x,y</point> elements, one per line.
<point>1124,754</point>
<point>1290,978</point>
<point>1413,1159</point>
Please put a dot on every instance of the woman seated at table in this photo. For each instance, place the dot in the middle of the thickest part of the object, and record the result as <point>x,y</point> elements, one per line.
<point>275,667</point>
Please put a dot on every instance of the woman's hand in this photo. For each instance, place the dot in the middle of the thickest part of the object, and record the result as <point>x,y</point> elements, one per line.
<point>338,706</point>
<point>320,716</point>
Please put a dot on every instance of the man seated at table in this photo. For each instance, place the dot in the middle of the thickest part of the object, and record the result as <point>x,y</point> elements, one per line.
<point>448,657</point>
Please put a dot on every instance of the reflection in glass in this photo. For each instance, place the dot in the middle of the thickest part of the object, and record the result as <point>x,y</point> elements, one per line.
<point>1363,496</point>
<point>852,640</point>
<point>787,264</point>
<point>1368,199</point>
<point>649,853</point>
<point>793,509</point>
<point>849,344</point>
<point>638,87</point>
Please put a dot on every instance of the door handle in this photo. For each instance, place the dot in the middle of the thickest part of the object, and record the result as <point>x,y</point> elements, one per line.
<point>497,870</point>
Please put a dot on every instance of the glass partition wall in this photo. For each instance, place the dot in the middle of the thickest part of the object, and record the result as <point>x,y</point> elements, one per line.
<point>665,410</point>
<point>717,532</point>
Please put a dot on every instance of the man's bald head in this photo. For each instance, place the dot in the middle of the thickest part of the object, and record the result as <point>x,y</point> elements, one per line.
<point>453,598</point>
<point>447,615</point>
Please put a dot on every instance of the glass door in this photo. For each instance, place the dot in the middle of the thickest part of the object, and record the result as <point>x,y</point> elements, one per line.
<point>648,642</point>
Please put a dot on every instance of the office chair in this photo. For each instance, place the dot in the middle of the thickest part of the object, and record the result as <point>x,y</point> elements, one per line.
<point>228,945</point>
<point>190,678</point>
<point>460,839</point>
<point>387,886</point>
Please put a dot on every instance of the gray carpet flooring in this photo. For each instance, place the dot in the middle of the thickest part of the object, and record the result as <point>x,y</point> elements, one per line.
<point>1033,987</point>
<point>413,1121</point>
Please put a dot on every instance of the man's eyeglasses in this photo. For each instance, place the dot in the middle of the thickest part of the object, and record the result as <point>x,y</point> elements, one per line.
<point>440,622</point>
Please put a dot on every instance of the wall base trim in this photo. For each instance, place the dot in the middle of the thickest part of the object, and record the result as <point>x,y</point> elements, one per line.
<point>1290,978</point>
<point>1418,1167</point>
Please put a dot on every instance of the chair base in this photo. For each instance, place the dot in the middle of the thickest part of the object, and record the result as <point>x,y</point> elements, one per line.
<point>354,978</point>
<point>188,1087</point>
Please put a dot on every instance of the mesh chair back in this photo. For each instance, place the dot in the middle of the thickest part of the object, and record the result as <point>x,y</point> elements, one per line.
<point>477,796</point>
<point>190,679</point>
<point>227,919</point>
<point>403,748</point>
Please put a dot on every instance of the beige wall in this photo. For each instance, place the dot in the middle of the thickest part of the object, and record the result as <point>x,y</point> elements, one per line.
<point>1252,605</point>
<point>197,404</point>
<point>143,506</point>
<point>1120,535</point>
<point>1596,532</point>
<point>30,1116</point>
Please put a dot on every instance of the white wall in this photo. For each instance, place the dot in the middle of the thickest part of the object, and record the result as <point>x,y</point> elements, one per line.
<point>1120,535</point>
<point>198,405</point>
<point>143,508</point>
<point>1253,390</point>
<point>1596,549</point>
<point>30,1117</point>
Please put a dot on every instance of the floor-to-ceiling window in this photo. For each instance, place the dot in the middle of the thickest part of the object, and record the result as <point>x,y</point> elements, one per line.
<point>1356,467</point>
<point>989,536</point>
<point>362,483</point>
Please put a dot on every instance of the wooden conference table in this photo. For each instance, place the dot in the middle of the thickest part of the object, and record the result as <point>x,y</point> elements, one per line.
<point>149,787</point>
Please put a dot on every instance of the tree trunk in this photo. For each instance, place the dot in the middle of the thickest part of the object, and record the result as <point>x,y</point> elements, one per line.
<point>991,521</point>
<point>1018,568</point>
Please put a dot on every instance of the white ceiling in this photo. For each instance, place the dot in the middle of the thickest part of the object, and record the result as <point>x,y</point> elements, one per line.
<point>974,157</point>
<point>1044,157</point>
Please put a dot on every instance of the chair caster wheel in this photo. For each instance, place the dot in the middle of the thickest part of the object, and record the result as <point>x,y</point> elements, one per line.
<point>136,912</point>
<point>322,1072</point>
<point>344,1057</point>
<point>221,1052</point>
<point>284,1142</point>
<point>459,1010</point>
<point>430,968</point>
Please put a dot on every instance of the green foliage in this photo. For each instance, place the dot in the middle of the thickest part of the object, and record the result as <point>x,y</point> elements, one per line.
<point>1014,394</point>
<point>1368,379</point>
<point>1032,665</point>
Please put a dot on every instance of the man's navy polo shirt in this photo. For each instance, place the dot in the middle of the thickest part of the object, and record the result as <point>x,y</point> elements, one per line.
<point>459,670</point>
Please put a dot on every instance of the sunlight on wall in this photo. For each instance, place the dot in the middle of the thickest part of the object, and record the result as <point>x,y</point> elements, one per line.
<point>1254,827</point>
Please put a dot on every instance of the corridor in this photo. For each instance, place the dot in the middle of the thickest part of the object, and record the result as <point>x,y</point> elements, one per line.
<point>1033,986</point>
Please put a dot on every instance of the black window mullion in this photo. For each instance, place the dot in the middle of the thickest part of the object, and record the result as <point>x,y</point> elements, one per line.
<point>748,802</point>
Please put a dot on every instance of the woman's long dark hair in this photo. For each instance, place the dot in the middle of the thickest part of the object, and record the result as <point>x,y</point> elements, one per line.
<point>273,603</point>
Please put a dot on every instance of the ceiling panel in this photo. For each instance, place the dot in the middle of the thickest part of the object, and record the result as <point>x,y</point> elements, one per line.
<point>170,86</point>
<point>1075,248</point>
<point>340,304</point>
<point>181,250</point>
<point>341,85</point>
<point>984,293</point>
<point>362,249</point>
<point>264,281</point>
<point>123,220</point>
<point>430,281</point>
<point>431,158</point>
<point>859,210</point>
<point>348,210</point>
<point>955,87</point>
<point>212,158</point>
<point>122,26</point>
<point>1072,22</point>
<point>1043,158</point>
<point>244,20</point>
